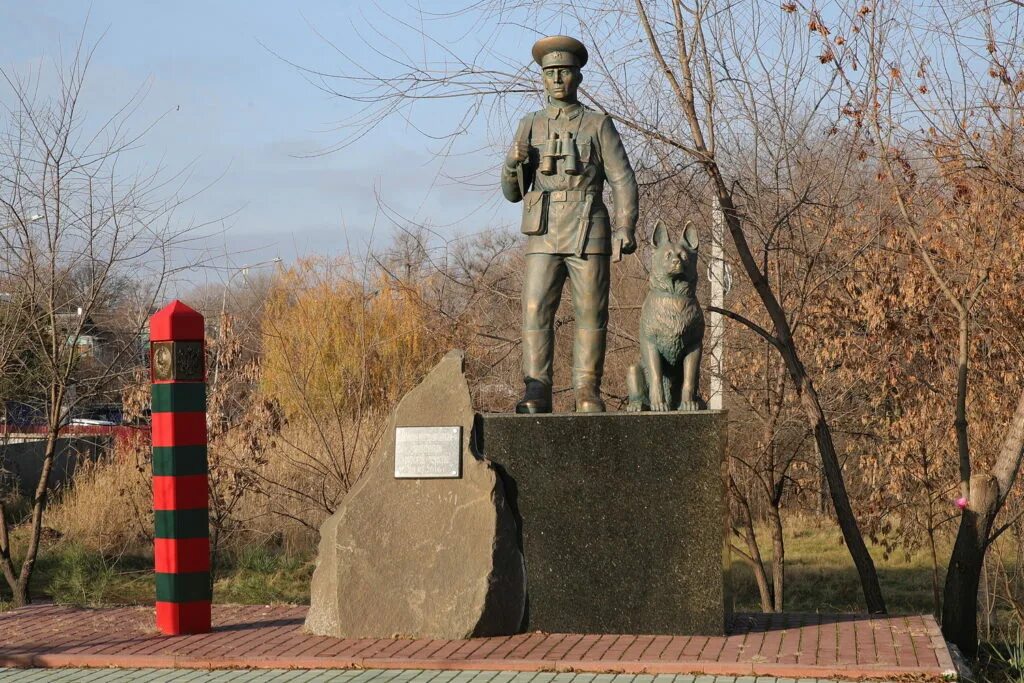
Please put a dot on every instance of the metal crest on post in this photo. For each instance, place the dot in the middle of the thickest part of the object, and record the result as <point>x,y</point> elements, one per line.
<point>180,502</point>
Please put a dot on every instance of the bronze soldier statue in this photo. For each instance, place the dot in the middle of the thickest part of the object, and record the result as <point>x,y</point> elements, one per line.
<point>557,166</point>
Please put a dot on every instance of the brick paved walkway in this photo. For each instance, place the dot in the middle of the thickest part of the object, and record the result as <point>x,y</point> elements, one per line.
<point>788,645</point>
<point>360,676</point>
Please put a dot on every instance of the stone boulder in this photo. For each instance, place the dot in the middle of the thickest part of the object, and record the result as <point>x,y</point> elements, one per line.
<point>422,558</point>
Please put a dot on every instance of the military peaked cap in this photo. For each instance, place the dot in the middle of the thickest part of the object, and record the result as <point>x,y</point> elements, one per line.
<point>559,51</point>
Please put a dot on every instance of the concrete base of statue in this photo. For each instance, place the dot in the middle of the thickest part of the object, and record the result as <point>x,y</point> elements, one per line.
<point>622,519</point>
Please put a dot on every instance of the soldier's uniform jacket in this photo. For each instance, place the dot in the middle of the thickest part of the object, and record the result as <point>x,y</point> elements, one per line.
<point>601,157</point>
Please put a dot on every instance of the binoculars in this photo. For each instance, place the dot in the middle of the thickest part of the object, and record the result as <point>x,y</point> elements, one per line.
<point>556,148</point>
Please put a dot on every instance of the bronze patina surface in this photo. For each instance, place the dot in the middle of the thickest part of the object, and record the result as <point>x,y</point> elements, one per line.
<point>671,329</point>
<point>557,166</point>
<point>178,361</point>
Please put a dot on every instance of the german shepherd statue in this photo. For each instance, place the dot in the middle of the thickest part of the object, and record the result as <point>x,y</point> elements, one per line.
<point>671,329</point>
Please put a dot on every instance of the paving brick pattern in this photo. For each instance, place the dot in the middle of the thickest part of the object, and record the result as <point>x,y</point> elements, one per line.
<point>361,676</point>
<point>350,676</point>
<point>807,646</point>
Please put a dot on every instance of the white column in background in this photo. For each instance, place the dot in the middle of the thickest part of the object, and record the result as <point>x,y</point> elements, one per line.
<point>716,322</point>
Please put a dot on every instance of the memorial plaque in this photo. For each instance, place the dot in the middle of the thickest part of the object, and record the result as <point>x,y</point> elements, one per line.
<point>428,452</point>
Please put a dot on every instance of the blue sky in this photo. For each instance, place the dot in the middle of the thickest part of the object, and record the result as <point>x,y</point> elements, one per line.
<point>236,111</point>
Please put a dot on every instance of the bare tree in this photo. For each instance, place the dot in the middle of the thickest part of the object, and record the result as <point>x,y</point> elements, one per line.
<point>74,226</point>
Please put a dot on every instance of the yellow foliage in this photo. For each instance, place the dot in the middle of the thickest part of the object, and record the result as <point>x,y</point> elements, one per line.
<point>337,342</point>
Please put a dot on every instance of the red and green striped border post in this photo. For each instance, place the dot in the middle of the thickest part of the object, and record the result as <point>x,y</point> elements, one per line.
<point>180,505</point>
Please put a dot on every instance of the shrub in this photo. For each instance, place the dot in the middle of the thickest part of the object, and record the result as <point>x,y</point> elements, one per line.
<point>108,507</point>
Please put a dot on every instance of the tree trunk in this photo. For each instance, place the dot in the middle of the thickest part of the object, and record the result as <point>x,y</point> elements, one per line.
<point>21,595</point>
<point>988,492</point>
<point>756,565</point>
<point>936,597</point>
<point>809,398</point>
<point>6,562</point>
<point>960,598</point>
<point>786,347</point>
<point>837,487</point>
<point>778,557</point>
<point>822,493</point>
<point>753,556</point>
<point>813,410</point>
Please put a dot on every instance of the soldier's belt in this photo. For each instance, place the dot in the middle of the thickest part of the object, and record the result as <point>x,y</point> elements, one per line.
<point>569,195</point>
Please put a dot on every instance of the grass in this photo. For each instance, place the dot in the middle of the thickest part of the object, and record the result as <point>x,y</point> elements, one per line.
<point>260,576</point>
<point>1002,661</point>
<point>78,576</point>
<point>68,573</point>
<point>820,576</point>
<point>1006,659</point>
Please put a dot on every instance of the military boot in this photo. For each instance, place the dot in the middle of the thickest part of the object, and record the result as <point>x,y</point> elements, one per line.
<point>538,352</point>
<point>588,366</point>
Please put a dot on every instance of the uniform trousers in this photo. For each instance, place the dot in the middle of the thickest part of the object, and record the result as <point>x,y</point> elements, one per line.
<point>542,291</point>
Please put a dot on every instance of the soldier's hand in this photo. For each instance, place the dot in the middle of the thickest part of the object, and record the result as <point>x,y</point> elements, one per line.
<point>519,153</point>
<point>627,238</point>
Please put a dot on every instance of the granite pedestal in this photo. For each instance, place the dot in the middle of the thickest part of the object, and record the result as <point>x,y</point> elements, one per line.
<point>621,517</point>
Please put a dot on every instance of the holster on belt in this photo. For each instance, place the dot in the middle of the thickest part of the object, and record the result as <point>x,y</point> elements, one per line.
<point>584,230</point>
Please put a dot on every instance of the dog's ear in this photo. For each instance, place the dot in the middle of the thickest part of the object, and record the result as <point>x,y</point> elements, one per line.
<point>660,234</point>
<point>690,238</point>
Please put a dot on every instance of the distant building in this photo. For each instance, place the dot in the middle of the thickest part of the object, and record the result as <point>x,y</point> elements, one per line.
<point>82,333</point>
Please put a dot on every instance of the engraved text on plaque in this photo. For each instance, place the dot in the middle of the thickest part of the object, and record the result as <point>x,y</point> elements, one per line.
<point>428,452</point>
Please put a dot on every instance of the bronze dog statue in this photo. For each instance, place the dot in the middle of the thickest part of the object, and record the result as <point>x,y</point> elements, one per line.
<point>671,329</point>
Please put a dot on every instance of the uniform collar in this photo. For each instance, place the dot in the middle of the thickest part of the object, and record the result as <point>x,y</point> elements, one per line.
<point>570,112</point>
